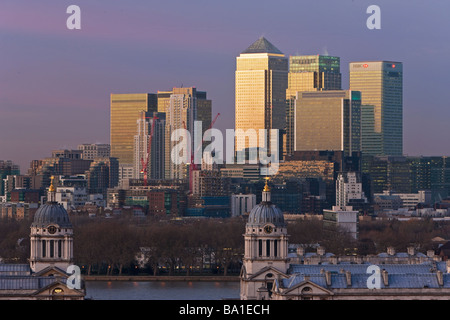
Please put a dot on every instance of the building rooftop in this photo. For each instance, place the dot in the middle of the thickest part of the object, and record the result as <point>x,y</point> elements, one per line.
<point>262,45</point>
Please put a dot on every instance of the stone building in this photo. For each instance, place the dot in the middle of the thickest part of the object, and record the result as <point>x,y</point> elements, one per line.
<point>274,272</point>
<point>47,276</point>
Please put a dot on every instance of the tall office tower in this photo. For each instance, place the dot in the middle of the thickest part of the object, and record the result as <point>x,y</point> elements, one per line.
<point>308,73</point>
<point>328,120</point>
<point>204,105</point>
<point>90,151</point>
<point>180,114</point>
<point>381,87</point>
<point>125,111</point>
<point>260,90</point>
<point>149,146</point>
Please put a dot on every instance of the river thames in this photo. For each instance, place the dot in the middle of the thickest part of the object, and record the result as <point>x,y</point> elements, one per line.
<point>161,290</point>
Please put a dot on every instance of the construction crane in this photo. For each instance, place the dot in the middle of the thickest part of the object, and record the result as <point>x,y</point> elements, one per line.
<point>144,164</point>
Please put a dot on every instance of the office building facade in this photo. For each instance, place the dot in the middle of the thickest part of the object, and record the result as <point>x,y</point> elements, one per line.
<point>125,111</point>
<point>260,91</point>
<point>308,73</point>
<point>149,156</point>
<point>328,120</point>
<point>381,87</point>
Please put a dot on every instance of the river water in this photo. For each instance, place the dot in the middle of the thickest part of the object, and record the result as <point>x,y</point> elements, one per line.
<point>161,290</point>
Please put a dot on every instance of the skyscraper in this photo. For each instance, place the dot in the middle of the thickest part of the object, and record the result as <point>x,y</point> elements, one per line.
<point>260,90</point>
<point>328,120</point>
<point>180,114</point>
<point>308,73</point>
<point>381,87</point>
<point>149,143</point>
<point>125,111</point>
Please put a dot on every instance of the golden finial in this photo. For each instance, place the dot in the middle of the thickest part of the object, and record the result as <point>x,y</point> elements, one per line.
<point>52,187</point>
<point>266,187</point>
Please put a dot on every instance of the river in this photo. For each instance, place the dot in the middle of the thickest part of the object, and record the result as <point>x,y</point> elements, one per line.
<point>161,290</point>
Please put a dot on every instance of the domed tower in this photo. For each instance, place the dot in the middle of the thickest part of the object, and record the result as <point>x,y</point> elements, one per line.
<point>266,248</point>
<point>51,236</point>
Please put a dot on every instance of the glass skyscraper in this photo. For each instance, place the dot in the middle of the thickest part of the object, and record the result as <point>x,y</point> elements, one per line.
<point>308,73</point>
<point>381,87</point>
<point>126,109</point>
<point>328,120</point>
<point>260,92</point>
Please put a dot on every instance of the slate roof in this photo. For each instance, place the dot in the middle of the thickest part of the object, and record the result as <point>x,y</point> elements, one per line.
<point>359,281</point>
<point>25,282</point>
<point>262,45</point>
<point>360,268</point>
<point>14,269</point>
<point>399,275</point>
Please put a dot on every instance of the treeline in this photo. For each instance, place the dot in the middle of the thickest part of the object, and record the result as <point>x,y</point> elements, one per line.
<point>111,246</point>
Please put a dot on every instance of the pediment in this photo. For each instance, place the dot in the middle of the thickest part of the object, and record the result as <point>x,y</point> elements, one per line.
<point>315,289</point>
<point>261,274</point>
<point>50,271</point>
<point>59,289</point>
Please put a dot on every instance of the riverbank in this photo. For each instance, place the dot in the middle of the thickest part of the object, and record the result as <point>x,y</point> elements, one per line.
<point>160,278</point>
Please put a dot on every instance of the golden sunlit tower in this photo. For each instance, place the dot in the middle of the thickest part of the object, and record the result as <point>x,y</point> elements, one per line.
<point>308,73</point>
<point>260,92</point>
<point>328,120</point>
<point>126,109</point>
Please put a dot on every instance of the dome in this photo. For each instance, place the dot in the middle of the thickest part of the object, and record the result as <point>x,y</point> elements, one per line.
<point>264,213</point>
<point>51,213</point>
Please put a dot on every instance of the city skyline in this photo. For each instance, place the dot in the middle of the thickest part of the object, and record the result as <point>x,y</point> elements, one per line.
<point>56,82</point>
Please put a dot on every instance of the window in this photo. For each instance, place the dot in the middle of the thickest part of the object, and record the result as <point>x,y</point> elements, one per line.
<point>52,248</point>
<point>44,251</point>
<point>275,248</point>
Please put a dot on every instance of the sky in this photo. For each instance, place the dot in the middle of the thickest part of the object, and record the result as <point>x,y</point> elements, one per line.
<point>55,83</point>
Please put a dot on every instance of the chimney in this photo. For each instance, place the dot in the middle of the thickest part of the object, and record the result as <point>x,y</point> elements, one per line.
<point>320,251</point>
<point>440,278</point>
<point>411,251</point>
<point>384,275</point>
<point>300,251</point>
<point>348,278</point>
<point>430,253</point>
<point>391,251</point>
<point>328,277</point>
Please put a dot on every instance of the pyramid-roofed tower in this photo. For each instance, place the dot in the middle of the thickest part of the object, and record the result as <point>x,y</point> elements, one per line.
<point>262,45</point>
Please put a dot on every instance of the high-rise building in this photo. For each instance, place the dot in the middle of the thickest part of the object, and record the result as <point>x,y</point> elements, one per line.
<point>381,87</point>
<point>204,105</point>
<point>149,146</point>
<point>7,168</point>
<point>180,114</point>
<point>308,73</point>
<point>90,151</point>
<point>125,111</point>
<point>328,120</point>
<point>260,90</point>
<point>349,189</point>
<point>203,113</point>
